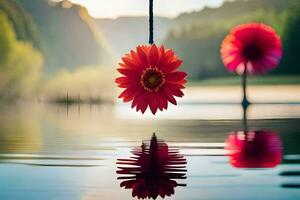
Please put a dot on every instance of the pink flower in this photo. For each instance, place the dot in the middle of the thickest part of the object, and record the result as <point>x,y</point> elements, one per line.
<point>254,44</point>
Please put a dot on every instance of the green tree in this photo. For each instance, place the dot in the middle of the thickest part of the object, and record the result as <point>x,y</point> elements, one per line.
<point>20,64</point>
<point>7,38</point>
<point>291,41</point>
<point>23,24</point>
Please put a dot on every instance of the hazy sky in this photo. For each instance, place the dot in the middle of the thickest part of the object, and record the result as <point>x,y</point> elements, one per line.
<point>170,8</point>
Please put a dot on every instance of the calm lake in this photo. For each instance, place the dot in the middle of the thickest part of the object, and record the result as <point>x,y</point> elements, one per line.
<point>71,152</point>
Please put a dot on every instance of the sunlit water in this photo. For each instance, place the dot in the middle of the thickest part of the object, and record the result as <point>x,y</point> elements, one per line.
<point>59,152</point>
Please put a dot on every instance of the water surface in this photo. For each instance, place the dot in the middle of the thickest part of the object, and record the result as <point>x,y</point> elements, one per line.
<point>59,152</point>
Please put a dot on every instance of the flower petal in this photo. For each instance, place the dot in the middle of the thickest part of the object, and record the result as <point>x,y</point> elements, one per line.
<point>153,56</point>
<point>129,93</point>
<point>128,63</point>
<point>124,82</point>
<point>169,95</point>
<point>174,86</point>
<point>143,57</point>
<point>153,104</point>
<point>172,66</point>
<point>177,92</point>
<point>175,76</point>
<point>127,72</point>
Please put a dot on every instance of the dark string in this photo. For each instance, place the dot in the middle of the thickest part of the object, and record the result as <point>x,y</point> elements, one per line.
<point>151,40</point>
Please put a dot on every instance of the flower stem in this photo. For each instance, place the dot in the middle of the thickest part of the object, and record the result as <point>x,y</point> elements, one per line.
<point>245,119</point>
<point>245,102</point>
<point>151,37</point>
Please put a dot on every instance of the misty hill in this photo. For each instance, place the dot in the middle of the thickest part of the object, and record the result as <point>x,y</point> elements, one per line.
<point>69,38</point>
<point>125,33</point>
<point>20,60</point>
<point>231,9</point>
<point>24,26</point>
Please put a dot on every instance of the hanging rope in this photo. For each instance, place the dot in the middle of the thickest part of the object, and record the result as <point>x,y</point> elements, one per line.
<point>151,37</point>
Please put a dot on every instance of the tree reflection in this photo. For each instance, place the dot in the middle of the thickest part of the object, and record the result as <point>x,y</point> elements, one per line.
<point>19,132</point>
<point>153,170</point>
<point>254,149</point>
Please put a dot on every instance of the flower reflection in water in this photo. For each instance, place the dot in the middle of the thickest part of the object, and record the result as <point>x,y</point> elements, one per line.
<point>153,170</point>
<point>254,149</point>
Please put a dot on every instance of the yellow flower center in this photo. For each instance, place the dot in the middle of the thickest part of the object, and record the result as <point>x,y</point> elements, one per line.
<point>152,79</point>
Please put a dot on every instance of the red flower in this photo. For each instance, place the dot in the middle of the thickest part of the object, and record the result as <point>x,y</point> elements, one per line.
<point>254,44</point>
<point>153,170</point>
<point>254,149</point>
<point>150,78</point>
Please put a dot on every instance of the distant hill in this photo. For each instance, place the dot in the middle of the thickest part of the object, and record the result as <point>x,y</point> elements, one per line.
<point>232,9</point>
<point>69,38</point>
<point>125,33</point>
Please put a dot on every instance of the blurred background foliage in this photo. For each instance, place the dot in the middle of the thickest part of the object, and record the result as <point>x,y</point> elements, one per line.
<point>39,39</point>
<point>197,36</point>
<point>51,48</point>
<point>20,64</point>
